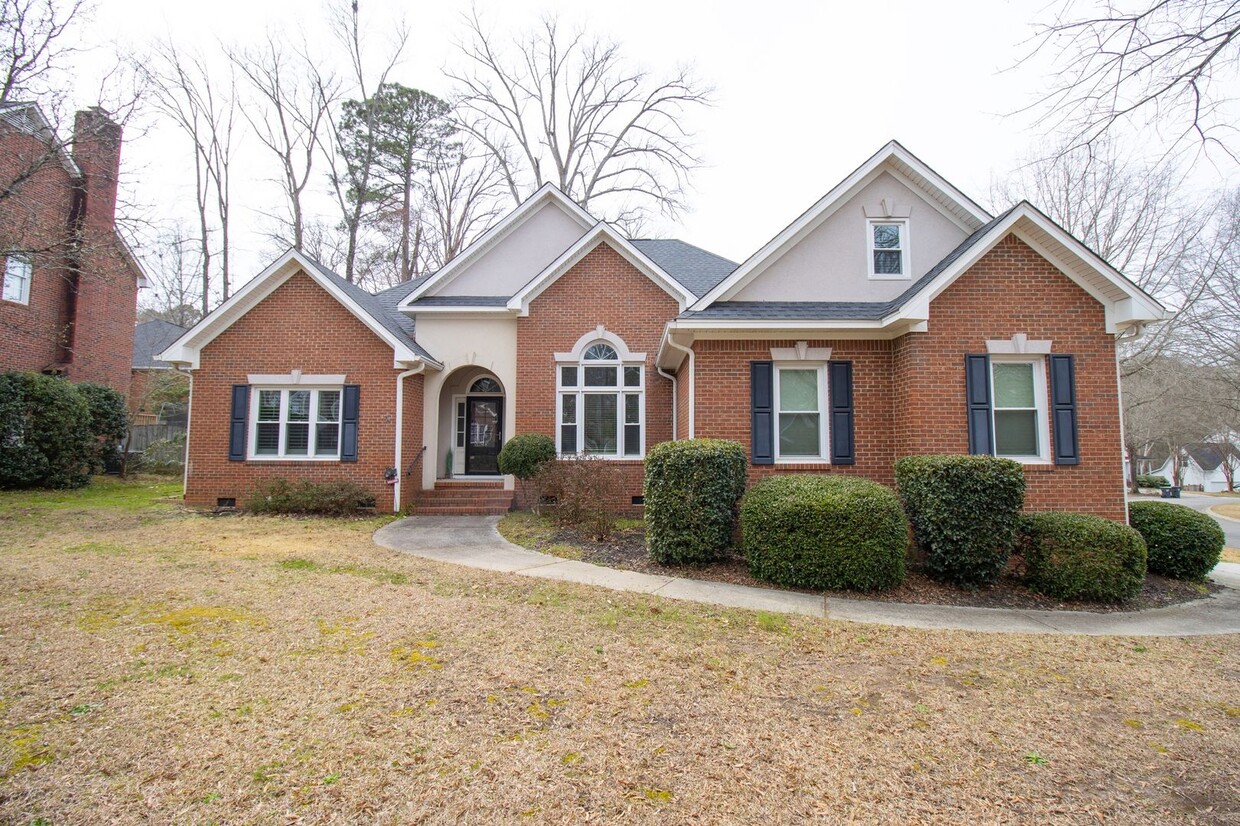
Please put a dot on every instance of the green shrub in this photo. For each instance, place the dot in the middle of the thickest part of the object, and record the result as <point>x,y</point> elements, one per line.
<point>1149,480</point>
<point>1182,543</point>
<point>304,497</point>
<point>690,496</point>
<point>523,456</point>
<point>964,511</point>
<point>109,420</point>
<point>45,433</point>
<point>1078,556</point>
<point>824,532</point>
<point>584,492</point>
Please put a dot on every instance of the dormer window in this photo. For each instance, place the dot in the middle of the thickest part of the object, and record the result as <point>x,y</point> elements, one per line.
<point>888,248</point>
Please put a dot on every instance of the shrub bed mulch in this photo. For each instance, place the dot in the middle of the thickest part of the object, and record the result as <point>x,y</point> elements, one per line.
<point>626,550</point>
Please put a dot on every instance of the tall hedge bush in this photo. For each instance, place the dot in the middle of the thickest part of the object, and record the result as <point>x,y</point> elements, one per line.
<point>1078,556</point>
<point>690,494</point>
<point>964,511</point>
<point>824,532</point>
<point>109,420</point>
<point>46,437</point>
<point>1182,543</point>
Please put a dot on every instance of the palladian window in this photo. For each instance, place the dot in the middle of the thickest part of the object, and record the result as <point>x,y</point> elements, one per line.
<point>601,404</point>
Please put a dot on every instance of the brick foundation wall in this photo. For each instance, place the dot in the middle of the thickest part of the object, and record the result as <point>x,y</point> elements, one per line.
<point>603,288</point>
<point>300,327</point>
<point>1012,289</point>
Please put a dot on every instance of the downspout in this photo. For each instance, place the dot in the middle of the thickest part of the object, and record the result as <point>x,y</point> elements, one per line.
<point>189,422</point>
<point>1137,332</point>
<point>688,351</point>
<point>672,377</point>
<point>400,431</point>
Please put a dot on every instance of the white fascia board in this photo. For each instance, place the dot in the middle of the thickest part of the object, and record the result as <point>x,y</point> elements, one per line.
<point>506,226</point>
<point>602,232</point>
<point>826,206</point>
<point>187,348</point>
<point>461,309</point>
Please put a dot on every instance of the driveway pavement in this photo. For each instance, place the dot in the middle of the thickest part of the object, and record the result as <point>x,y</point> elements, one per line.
<point>473,541</point>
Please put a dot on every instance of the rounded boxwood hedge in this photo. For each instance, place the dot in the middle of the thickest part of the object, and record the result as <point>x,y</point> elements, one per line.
<point>964,511</point>
<point>824,532</point>
<point>1078,556</point>
<point>524,455</point>
<point>46,439</point>
<point>1182,543</point>
<point>690,495</point>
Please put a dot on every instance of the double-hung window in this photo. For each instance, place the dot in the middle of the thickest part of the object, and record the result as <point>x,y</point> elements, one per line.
<point>17,275</point>
<point>601,405</point>
<point>888,248</point>
<point>800,404</point>
<point>1019,408</point>
<point>295,423</point>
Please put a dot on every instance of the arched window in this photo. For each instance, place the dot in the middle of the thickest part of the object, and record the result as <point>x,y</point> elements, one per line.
<point>486,384</point>
<point>602,406</point>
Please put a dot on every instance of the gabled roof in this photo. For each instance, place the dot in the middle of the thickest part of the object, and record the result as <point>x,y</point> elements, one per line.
<point>150,338</point>
<point>892,158</point>
<point>600,233</point>
<point>1125,302</point>
<point>501,230</point>
<point>372,310</point>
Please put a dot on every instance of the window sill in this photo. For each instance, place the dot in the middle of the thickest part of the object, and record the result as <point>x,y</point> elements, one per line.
<point>296,459</point>
<point>13,303</point>
<point>803,462</point>
<point>874,277</point>
<point>631,459</point>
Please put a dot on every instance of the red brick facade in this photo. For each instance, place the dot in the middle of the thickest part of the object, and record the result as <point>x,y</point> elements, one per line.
<point>83,293</point>
<point>604,289</point>
<point>300,327</point>
<point>909,394</point>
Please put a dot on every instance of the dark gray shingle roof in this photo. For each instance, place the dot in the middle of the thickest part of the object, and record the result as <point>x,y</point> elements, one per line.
<point>461,301</point>
<point>695,268</point>
<point>150,338</point>
<point>831,310</point>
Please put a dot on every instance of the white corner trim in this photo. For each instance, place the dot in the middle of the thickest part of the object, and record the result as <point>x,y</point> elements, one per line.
<point>801,352</point>
<point>1018,344</point>
<point>600,333</point>
<point>297,377</point>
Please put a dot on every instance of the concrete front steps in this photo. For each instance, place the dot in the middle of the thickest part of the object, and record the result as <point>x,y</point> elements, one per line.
<point>463,497</point>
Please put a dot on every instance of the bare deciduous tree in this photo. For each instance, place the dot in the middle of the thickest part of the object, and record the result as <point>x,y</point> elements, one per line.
<point>462,199</point>
<point>294,96</point>
<point>352,163</point>
<point>205,112</point>
<point>33,46</point>
<point>1170,61</point>
<point>175,278</point>
<point>570,110</point>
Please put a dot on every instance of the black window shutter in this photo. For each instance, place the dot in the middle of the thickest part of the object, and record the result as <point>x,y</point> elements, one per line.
<point>839,378</point>
<point>977,394</point>
<point>348,423</point>
<point>1063,410</point>
<point>239,422</point>
<point>762,412</point>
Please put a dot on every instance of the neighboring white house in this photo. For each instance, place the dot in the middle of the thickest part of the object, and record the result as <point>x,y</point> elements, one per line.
<point>1201,466</point>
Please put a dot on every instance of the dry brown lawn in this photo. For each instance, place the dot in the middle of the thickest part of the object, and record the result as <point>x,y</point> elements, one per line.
<point>1229,509</point>
<point>159,666</point>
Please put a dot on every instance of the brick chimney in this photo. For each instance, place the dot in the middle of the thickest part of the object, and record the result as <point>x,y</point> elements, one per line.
<point>97,152</point>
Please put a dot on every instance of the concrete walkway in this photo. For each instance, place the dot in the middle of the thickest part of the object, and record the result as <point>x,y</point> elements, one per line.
<point>473,541</point>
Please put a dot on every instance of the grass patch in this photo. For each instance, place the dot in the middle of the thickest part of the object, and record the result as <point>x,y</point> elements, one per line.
<point>1230,510</point>
<point>371,572</point>
<point>1231,555</point>
<point>103,492</point>
<point>528,530</point>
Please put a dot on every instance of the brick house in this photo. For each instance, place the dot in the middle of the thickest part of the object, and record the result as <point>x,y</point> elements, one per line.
<point>70,284</point>
<point>893,317</point>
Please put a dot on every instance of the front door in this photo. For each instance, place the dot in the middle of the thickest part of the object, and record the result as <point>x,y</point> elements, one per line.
<point>484,424</point>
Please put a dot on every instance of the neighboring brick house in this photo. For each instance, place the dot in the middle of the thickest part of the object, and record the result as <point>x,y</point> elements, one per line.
<point>70,285</point>
<point>894,317</point>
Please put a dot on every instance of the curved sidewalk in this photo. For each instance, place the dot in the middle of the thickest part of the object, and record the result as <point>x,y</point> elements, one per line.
<point>473,541</point>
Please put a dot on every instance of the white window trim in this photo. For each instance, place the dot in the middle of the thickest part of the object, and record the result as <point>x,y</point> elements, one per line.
<point>252,439</point>
<point>580,391</point>
<point>1039,400</point>
<point>905,242</point>
<point>24,295</point>
<point>824,434</point>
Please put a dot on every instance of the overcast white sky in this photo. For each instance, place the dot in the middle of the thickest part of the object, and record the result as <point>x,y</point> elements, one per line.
<point>805,91</point>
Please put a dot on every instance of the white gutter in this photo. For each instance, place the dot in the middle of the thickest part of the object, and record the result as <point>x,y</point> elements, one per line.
<point>689,351</point>
<point>400,431</point>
